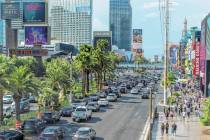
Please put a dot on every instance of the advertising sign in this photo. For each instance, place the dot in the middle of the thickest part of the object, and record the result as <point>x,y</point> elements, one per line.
<point>137,36</point>
<point>10,10</point>
<point>196,68</point>
<point>28,52</point>
<point>36,35</point>
<point>105,35</point>
<point>34,12</point>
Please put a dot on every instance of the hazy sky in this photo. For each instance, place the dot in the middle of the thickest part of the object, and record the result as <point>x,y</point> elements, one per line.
<point>146,16</point>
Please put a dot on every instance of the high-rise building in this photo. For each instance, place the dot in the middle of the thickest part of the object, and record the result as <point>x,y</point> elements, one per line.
<point>71,21</point>
<point>2,32</point>
<point>121,23</point>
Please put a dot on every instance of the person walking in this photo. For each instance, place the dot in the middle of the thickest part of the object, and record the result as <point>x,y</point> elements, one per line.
<point>183,115</point>
<point>162,129</point>
<point>167,127</point>
<point>188,113</point>
<point>174,128</point>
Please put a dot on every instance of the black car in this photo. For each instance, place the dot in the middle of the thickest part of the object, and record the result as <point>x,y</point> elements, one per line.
<point>128,86</point>
<point>66,111</point>
<point>32,126</point>
<point>103,95</point>
<point>51,117</point>
<point>52,133</point>
<point>11,135</point>
<point>123,90</point>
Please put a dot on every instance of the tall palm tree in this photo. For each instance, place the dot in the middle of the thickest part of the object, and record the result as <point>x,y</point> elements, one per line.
<point>84,62</point>
<point>20,83</point>
<point>3,82</point>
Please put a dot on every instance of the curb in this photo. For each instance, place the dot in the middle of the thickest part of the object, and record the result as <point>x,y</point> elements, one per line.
<point>145,133</point>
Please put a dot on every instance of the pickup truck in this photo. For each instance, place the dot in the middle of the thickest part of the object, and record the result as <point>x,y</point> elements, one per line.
<point>81,113</point>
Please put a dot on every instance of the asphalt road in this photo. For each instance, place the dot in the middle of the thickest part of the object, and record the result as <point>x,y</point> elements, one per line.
<point>123,120</point>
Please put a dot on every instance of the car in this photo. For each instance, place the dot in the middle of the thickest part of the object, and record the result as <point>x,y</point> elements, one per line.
<point>7,111</point>
<point>94,97</point>
<point>52,133</point>
<point>111,97</point>
<point>11,135</point>
<point>51,117</point>
<point>66,111</point>
<point>81,113</point>
<point>116,92</point>
<point>93,106</point>
<point>145,95</point>
<point>85,133</point>
<point>7,99</point>
<point>102,95</point>
<point>32,99</point>
<point>123,90</point>
<point>24,106</point>
<point>32,126</point>
<point>134,91</point>
<point>103,102</point>
<point>79,102</point>
<point>128,86</point>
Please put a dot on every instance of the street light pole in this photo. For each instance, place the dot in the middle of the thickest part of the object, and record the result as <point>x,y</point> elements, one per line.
<point>166,50</point>
<point>150,114</point>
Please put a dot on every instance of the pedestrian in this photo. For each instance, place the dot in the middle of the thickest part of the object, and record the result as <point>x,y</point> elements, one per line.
<point>167,115</point>
<point>172,115</point>
<point>167,127</point>
<point>162,129</point>
<point>188,113</point>
<point>174,128</point>
<point>184,115</point>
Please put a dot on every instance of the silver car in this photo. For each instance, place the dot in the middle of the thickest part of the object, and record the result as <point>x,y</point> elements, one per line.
<point>111,97</point>
<point>85,133</point>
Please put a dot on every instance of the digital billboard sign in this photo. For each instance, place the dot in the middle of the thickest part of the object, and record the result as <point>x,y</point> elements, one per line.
<point>137,35</point>
<point>34,12</point>
<point>36,35</point>
<point>28,52</point>
<point>10,10</point>
<point>103,35</point>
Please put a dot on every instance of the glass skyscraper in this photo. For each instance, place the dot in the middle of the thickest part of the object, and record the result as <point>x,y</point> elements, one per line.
<point>71,21</point>
<point>121,23</point>
<point>2,32</point>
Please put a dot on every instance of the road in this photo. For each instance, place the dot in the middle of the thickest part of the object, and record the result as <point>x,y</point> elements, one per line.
<point>123,120</point>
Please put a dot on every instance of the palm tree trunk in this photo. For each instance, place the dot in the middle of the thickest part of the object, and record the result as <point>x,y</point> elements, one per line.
<point>104,77</point>
<point>1,107</point>
<point>17,108</point>
<point>87,82</point>
<point>83,82</point>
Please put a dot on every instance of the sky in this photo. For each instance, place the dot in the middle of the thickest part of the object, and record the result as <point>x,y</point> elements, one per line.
<point>146,15</point>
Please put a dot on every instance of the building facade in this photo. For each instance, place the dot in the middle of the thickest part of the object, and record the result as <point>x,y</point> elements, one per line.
<point>71,21</point>
<point>121,23</point>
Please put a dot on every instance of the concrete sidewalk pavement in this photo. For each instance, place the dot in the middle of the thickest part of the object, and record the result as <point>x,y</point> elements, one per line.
<point>190,129</point>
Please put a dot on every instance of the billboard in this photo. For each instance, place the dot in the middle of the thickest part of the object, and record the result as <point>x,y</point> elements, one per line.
<point>137,36</point>
<point>10,10</point>
<point>36,35</point>
<point>34,12</point>
<point>196,67</point>
<point>103,35</point>
<point>28,52</point>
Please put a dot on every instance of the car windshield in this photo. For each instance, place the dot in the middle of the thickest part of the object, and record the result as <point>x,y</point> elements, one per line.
<point>7,96</point>
<point>81,109</point>
<point>48,114</point>
<point>49,130</point>
<point>84,132</point>
<point>67,108</point>
<point>91,104</point>
<point>8,134</point>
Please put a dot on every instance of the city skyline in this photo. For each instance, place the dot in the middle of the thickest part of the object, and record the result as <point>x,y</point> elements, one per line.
<point>146,16</point>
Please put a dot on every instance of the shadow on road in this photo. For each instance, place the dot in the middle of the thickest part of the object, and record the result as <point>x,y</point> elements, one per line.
<point>99,138</point>
<point>94,120</point>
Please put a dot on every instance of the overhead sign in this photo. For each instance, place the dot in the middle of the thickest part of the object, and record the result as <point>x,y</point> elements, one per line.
<point>28,52</point>
<point>34,12</point>
<point>10,10</point>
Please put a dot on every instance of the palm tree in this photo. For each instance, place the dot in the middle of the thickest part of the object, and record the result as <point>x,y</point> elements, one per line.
<point>139,60</point>
<point>3,82</point>
<point>84,62</point>
<point>20,82</point>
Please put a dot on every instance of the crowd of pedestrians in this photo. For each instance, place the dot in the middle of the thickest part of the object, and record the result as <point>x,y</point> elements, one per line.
<point>185,106</point>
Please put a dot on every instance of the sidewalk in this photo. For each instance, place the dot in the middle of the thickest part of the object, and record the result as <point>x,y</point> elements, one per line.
<point>186,130</point>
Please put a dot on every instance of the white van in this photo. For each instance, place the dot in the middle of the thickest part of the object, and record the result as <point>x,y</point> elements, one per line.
<point>7,111</point>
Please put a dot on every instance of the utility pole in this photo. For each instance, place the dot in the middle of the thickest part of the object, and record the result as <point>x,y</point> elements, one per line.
<point>166,49</point>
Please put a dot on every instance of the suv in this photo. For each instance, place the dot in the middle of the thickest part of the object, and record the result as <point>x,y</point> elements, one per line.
<point>32,126</point>
<point>51,117</point>
<point>81,113</point>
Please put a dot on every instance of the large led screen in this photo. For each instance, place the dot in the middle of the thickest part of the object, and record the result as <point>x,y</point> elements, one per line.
<point>137,35</point>
<point>36,35</point>
<point>33,12</point>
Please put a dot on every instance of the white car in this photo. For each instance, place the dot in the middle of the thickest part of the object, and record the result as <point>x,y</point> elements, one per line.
<point>7,111</point>
<point>103,102</point>
<point>134,91</point>
<point>111,98</point>
<point>7,99</point>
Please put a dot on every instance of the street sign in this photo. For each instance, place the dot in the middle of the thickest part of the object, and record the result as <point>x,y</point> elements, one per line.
<point>28,52</point>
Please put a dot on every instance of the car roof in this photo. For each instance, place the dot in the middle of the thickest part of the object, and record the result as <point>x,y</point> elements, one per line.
<point>84,129</point>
